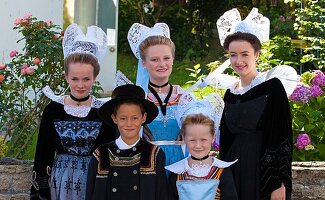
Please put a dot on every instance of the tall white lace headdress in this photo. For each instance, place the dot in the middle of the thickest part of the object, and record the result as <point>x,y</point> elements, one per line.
<point>255,23</point>
<point>94,42</point>
<point>210,106</point>
<point>136,35</point>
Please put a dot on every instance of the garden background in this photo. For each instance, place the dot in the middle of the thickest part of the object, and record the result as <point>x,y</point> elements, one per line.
<point>297,39</point>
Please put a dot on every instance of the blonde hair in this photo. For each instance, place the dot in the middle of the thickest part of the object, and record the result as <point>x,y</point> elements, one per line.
<point>81,58</point>
<point>155,40</point>
<point>196,119</point>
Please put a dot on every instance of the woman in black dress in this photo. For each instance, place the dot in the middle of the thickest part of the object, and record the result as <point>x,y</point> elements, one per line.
<point>256,125</point>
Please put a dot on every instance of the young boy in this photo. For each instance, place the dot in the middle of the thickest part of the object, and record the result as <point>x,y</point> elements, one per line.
<point>129,167</point>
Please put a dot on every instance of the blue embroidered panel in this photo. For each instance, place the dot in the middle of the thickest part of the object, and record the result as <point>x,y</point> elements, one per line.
<point>78,137</point>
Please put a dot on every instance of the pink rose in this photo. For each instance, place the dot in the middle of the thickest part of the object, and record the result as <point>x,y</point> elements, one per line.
<point>23,71</point>
<point>24,65</point>
<point>17,21</point>
<point>2,66</point>
<point>30,71</point>
<point>48,22</point>
<point>27,16</point>
<point>303,140</point>
<point>56,36</point>
<point>13,53</point>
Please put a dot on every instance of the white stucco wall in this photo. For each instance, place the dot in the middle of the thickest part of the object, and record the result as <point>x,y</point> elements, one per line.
<point>12,9</point>
<point>47,10</point>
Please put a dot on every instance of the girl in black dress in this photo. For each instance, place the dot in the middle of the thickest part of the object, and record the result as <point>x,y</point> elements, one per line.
<point>256,125</point>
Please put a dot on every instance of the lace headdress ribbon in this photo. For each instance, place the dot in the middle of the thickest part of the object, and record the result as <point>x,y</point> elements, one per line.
<point>136,35</point>
<point>255,23</point>
<point>94,42</point>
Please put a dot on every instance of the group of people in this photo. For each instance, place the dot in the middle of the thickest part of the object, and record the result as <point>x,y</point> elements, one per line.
<point>152,140</point>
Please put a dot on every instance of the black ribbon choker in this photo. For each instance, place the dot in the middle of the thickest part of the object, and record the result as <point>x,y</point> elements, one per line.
<point>200,159</point>
<point>158,86</point>
<point>79,100</point>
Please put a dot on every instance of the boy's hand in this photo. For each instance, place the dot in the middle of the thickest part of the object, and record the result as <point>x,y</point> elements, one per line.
<point>279,194</point>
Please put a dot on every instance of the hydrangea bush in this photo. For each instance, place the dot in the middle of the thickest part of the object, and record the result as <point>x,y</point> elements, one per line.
<point>308,113</point>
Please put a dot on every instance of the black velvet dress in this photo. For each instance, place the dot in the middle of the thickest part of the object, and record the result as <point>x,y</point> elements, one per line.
<point>64,148</point>
<point>256,129</point>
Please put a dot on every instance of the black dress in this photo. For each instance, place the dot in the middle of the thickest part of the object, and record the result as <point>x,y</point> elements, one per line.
<point>256,129</point>
<point>64,148</point>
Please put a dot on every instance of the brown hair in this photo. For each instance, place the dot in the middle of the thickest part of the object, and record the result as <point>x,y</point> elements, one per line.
<point>155,40</point>
<point>129,102</point>
<point>81,58</point>
<point>195,119</point>
<point>248,37</point>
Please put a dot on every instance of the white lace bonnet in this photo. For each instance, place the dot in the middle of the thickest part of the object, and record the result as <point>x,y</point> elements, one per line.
<point>136,35</point>
<point>255,23</point>
<point>189,105</point>
<point>94,42</point>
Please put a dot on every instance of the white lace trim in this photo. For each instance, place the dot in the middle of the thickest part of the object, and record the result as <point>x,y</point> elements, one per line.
<point>199,170</point>
<point>255,23</point>
<point>260,78</point>
<point>286,74</point>
<point>138,33</point>
<point>77,111</point>
<point>121,79</point>
<point>94,42</point>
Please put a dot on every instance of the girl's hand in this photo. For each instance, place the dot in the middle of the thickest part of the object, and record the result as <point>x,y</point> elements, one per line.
<point>279,194</point>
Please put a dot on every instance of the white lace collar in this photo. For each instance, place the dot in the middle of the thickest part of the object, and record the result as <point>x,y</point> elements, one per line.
<point>77,111</point>
<point>286,74</point>
<point>260,78</point>
<point>122,145</point>
<point>182,166</point>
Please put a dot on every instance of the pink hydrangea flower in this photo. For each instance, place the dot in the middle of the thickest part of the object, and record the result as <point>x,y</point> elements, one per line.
<point>301,93</point>
<point>2,66</point>
<point>13,53</point>
<point>302,140</point>
<point>316,91</point>
<point>215,146</point>
<point>319,79</point>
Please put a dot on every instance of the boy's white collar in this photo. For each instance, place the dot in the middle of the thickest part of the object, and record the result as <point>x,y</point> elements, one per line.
<point>122,145</point>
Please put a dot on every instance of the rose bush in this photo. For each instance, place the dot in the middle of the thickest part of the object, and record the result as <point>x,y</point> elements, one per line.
<point>21,80</point>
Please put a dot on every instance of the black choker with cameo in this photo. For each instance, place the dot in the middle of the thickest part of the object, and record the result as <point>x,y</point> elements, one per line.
<point>79,101</point>
<point>200,159</point>
<point>158,86</point>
